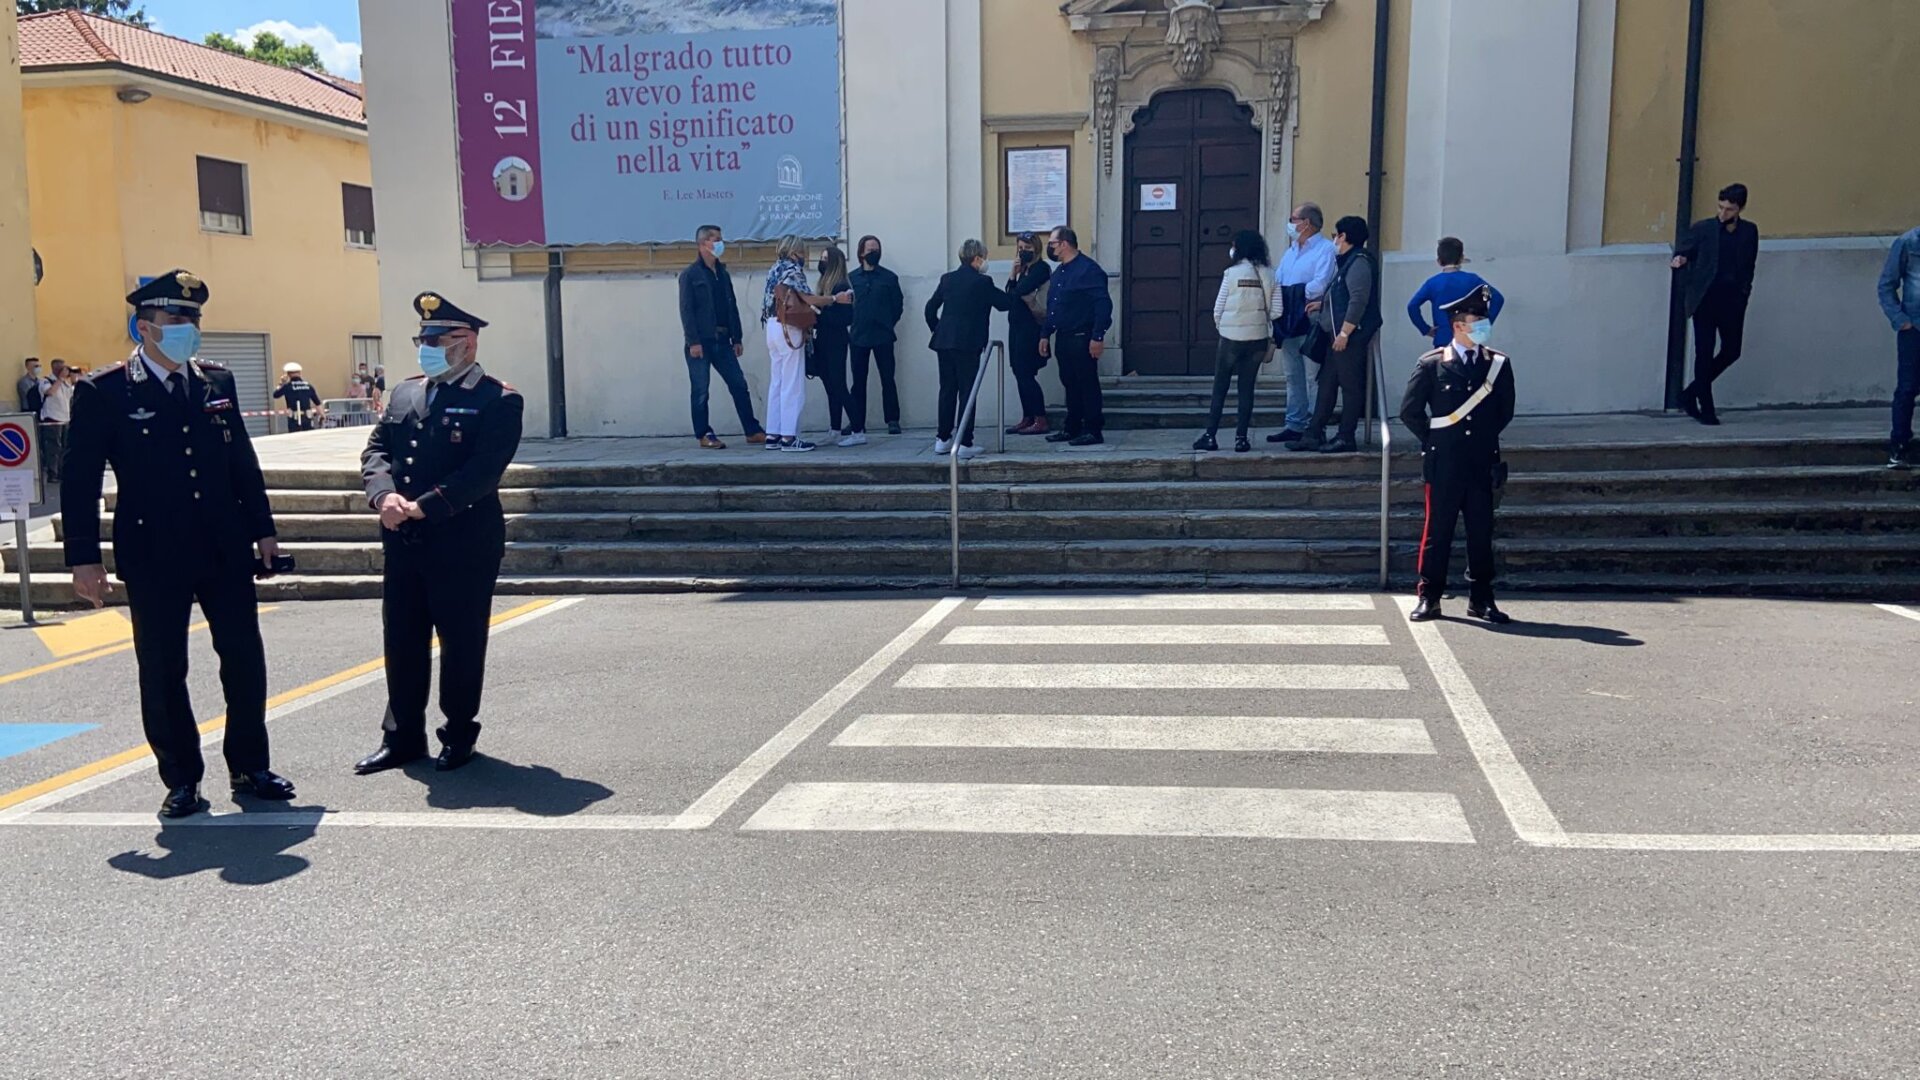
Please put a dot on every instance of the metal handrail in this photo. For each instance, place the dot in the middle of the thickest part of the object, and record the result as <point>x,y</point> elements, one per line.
<point>966,417</point>
<point>1379,373</point>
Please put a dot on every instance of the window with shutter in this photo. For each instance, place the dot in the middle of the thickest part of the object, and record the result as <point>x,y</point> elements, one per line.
<point>223,196</point>
<point>357,207</point>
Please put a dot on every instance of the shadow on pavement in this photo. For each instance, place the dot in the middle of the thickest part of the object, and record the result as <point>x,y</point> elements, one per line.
<point>243,856</point>
<point>1592,635</point>
<point>492,783</point>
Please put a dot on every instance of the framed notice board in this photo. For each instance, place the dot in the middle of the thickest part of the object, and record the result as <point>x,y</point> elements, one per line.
<point>1035,188</point>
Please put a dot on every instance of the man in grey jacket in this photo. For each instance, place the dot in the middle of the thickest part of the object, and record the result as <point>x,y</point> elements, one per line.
<point>1355,294</point>
<point>1900,299</point>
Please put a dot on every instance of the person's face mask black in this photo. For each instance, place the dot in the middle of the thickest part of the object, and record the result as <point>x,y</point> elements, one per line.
<point>872,257</point>
<point>1053,252</point>
<point>1026,255</point>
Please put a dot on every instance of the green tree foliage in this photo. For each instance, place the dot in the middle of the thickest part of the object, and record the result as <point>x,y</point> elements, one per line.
<point>123,10</point>
<point>269,48</point>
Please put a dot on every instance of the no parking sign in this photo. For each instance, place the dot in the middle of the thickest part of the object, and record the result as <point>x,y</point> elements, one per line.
<point>19,465</point>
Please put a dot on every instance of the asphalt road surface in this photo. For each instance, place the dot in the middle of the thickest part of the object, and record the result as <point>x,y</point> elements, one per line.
<point>1193,835</point>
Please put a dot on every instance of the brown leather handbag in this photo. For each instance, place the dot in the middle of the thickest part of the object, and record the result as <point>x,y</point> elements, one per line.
<point>794,313</point>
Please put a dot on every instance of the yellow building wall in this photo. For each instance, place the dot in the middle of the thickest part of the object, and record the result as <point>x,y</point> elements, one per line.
<point>1335,57</point>
<point>1807,102</point>
<point>1031,64</point>
<point>18,339</point>
<point>293,278</point>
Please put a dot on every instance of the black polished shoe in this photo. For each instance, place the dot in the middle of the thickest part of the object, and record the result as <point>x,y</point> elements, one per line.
<point>1288,435</point>
<point>453,757</point>
<point>184,801</point>
<point>1242,446</point>
<point>1206,442</point>
<point>263,785</point>
<point>1489,612</point>
<point>1423,610</point>
<point>1312,440</point>
<point>1091,438</point>
<point>1341,446</point>
<point>893,428</point>
<point>1690,401</point>
<point>1062,436</point>
<point>386,758</point>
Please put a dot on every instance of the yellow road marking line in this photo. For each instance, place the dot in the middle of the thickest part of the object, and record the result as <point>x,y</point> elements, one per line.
<point>85,634</point>
<point>127,757</point>
<point>110,650</point>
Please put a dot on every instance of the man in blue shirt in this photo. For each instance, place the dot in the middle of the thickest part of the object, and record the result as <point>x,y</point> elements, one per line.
<point>1445,287</point>
<point>1079,314</point>
<point>1900,299</point>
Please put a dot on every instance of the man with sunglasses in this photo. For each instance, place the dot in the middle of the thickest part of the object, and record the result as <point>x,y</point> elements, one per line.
<point>432,470</point>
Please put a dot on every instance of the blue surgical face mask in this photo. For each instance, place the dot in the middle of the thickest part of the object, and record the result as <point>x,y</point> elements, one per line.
<point>433,361</point>
<point>181,342</point>
<point>719,248</point>
<point>1481,331</point>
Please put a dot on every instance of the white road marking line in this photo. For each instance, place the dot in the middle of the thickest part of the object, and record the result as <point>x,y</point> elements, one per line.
<point>722,795</point>
<point>1153,677</point>
<point>212,738</point>
<point>1532,820</point>
<point>1276,734</point>
<point>1904,612</point>
<point>1835,842</point>
<point>1178,634</point>
<point>354,819</point>
<point>1091,810</point>
<point>1223,601</point>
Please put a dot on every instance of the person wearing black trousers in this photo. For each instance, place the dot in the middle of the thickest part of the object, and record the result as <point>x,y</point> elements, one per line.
<point>830,340</point>
<point>877,306</point>
<point>1079,314</point>
<point>432,469</point>
<point>1718,259</point>
<point>1028,287</point>
<point>958,313</point>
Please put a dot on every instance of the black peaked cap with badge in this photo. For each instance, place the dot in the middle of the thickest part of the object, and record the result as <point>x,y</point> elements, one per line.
<point>178,291</point>
<point>1478,302</point>
<point>439,315</point>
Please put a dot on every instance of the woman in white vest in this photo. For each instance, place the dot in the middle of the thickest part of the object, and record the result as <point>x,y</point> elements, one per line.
<point>1243,313</point>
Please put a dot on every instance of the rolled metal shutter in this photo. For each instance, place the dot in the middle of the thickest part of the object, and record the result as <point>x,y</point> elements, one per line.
<point>249,357</point>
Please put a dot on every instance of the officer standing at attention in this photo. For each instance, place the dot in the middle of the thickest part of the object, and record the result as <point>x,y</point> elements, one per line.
<point>432,469</point>
<point>303,401</point>
<point>192,503</point>
<point>1459,401</point>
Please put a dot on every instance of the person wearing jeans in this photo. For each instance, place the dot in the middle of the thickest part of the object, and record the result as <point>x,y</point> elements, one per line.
<point>1244,314</point>
<point>710,324</point>
<point>1306,268</point>
<point>1900,299</point>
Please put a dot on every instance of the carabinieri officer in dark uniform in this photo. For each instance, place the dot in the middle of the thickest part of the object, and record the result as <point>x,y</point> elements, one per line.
<point>432,469</point>
<point>1459,401</point>
<point>192,506</point>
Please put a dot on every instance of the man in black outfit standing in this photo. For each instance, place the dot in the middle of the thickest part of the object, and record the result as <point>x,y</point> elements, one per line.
<point>958,314</point>
<point>432,469</point>
<point>192,504</point>
<point>1079,314</point>
<point>877,306</point>
<point>1458,402</point>
<point>1719,256</point>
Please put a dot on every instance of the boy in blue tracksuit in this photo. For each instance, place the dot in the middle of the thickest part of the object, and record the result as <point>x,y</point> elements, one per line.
<point>1445,287</point>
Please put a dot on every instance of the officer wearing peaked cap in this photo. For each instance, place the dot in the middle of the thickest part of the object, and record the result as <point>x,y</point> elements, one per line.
<point>192,504</point>
<point>1459,401</point>
<point>432,469</point>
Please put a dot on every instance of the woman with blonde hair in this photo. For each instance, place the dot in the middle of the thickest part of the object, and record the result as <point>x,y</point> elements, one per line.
<point>830,342</point>
<point>790,313</point>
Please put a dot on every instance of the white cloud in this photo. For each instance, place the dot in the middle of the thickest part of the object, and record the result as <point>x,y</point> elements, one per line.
<point>341,57</point>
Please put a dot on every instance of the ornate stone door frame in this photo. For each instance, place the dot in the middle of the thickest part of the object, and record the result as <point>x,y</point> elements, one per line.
<point>1142,47</point>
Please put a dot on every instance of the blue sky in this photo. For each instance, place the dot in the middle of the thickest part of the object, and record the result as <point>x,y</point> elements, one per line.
<point>331,26</point>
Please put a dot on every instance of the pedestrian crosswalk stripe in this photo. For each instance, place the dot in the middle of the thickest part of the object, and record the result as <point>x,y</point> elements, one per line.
<point>1181,602</point>
<point>1271,734</point>
<point>1179,634</point>
<point>1098,810</point>
<point>1153,677</point>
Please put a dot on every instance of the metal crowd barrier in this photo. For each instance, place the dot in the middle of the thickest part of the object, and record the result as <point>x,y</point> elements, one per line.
<point>348,412</point>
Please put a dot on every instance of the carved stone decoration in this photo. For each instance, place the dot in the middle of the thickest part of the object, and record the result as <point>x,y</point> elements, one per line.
<point>1193,33</point>
<point>1279,104</point>
<point>1106,101</point>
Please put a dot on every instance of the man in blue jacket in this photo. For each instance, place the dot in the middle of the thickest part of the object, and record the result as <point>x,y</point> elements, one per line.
<point>710,322</point>
<point>1900,299</point>
<point>1450,284</point>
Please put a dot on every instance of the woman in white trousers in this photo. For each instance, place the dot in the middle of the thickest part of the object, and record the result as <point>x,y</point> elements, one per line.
<point>787,347</point>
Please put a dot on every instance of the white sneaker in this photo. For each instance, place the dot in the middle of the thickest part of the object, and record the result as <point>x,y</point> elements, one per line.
<point>858,438</point>
<point>968,453</point>
<point>942,446</point>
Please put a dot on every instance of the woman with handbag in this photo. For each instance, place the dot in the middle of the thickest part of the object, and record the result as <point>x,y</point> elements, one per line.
<point>790,313</point>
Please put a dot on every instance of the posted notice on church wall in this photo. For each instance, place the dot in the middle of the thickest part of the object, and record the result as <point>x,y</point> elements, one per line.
<point>1036,189</point>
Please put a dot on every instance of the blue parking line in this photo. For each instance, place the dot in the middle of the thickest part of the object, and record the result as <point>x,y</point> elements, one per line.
<point>20,738</point>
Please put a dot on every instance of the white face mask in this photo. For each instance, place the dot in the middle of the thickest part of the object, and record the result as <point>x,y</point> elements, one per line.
<point>1293,232</point>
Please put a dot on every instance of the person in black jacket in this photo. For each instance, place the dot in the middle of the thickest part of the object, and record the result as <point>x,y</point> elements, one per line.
<point>432,470</point>
<point>877,306</point>
<point>1458,402</point>
<point>829,343</point>
<point>303,401</point>
<point>958,313</point>
<point>1028,287</point>
<point>1355,295</point>
<point>710,323</point>
<point>1718,257</point>
<point>192,505</point>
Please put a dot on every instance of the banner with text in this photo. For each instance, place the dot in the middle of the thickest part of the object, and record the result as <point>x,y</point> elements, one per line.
<point>637,121</point>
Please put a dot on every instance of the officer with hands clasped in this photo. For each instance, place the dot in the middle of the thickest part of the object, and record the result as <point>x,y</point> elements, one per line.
<point>432,469</point>
<point>192,504</point>
<point>1459,401</point>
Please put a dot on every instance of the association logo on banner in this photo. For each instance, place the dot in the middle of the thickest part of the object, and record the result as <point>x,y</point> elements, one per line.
<point>637,121</point>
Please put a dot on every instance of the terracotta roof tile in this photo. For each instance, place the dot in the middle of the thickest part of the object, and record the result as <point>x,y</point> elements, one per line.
<point>70,38</point>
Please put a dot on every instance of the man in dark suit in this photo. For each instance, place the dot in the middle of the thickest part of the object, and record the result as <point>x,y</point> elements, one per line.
<point>1718,258</point>
<point>1458,402</point>
<point>957,313</point>
<point>192,504</point>
<point>432,469</point>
